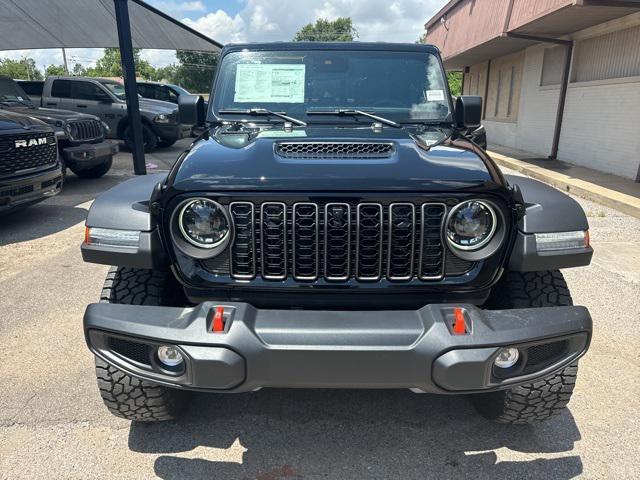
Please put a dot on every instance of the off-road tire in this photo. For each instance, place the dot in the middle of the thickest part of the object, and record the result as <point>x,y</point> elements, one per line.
<point>94,172</point>
<point>166,143</point>
<point>126,396</point>
<point>534,402</point>
<point>149,138</point>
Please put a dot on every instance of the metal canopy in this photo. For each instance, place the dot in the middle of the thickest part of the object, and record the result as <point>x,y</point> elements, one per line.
<point>28,24</point>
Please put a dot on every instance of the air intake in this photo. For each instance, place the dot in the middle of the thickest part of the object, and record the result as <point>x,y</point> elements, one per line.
<point>334,150</point>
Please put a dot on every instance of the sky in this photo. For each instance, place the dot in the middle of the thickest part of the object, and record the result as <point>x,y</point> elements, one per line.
<point>266,20</point>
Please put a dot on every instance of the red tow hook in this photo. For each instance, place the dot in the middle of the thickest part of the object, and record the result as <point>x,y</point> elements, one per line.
<point>459,326</point>
<point>217,325</point>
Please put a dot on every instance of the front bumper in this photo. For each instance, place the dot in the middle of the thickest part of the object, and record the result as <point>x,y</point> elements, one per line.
<point>336,349</point>
<point>172,132</point>
<point>89,155</point>
<point>29,189</point>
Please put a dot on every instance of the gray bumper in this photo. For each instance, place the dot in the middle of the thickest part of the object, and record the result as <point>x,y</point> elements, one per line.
<point>89,155</point>
<point>172,132</point>
<point>326,349</point>
<point>29,189</point>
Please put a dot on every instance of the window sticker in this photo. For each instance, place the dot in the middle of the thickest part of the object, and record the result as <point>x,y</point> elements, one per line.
<point>435,95</point>
<point>270,83</point>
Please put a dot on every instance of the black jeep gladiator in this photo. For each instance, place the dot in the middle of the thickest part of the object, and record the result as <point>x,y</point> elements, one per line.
<point>81,137</point>
<point>29,168</point>
<point>333,228</point>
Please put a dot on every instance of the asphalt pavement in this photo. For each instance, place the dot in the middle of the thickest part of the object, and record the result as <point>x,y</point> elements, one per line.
<point>54,425</point>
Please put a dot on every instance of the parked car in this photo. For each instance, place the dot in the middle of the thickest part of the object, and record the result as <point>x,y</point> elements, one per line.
<point>81,137</point>
<point>333,229</point>
<point>29,168</point>
<point>104,98</point>
<point>33,88</point>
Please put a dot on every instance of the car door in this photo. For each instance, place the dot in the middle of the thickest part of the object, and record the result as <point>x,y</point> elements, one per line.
<point>89,97</point>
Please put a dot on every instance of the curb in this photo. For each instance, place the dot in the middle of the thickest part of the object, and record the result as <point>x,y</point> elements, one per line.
<point>589,191</point>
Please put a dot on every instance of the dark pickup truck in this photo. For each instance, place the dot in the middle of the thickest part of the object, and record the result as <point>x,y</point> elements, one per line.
<point>29,168</point>
<point>81,137</point>
<point>334,228</point>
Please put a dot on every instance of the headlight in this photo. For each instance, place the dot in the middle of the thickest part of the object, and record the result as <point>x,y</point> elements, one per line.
<point>162,118</point>
<point>471,225</point>
<point>204,223</point>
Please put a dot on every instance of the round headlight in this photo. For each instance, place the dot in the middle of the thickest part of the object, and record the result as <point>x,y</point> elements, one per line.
<point>471,225</point>
<point>204,223</point>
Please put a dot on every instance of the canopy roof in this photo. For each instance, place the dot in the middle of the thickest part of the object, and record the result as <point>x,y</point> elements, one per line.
<point>27,24</point>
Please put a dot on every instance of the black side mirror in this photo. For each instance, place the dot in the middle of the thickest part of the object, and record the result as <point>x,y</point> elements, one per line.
<point>468,111</point>
<point>191,109</point>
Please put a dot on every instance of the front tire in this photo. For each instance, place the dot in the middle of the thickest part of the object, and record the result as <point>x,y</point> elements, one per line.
<point>126,396</point>
<point>534,402</point>
<point>149,138</point>
<point>94,172</point>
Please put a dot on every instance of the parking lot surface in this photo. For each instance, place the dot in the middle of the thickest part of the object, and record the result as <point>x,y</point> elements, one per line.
<point>53,423</point>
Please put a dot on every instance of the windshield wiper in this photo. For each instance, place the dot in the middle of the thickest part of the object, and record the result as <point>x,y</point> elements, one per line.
<point>262,111</point>
<point>344,111</point>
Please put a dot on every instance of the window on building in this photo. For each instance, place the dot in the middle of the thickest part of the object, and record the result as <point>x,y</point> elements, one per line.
<point>614,55</point>
<point>552,66</point>
<point>503,94</point>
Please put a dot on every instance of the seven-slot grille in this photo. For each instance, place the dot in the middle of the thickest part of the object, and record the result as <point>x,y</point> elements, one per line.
<point>337,241</point>
<point>85,130</point>
<point>15,160</point>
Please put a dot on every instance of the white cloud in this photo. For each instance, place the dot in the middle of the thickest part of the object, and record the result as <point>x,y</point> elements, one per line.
<point>159,58</point>
<point>179,8</point>
<point>268,20</point>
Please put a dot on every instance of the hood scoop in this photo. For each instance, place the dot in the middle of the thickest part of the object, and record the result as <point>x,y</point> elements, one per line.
<point>335,150</point>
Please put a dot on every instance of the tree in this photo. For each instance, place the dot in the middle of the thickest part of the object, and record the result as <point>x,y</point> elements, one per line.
<point>54,70</point>
<point>195,70</point>
<point>455,83</point>
<point>25,68</point>
<point>339,30</point>
<point>109,65</point>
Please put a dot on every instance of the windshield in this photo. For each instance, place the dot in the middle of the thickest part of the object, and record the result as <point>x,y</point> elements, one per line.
<point>402,86</point>
<point>10,90</point>
<point>116,88</point>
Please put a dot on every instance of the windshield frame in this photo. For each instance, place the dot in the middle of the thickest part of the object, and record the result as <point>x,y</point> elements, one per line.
<point>106,82</point>
<point>213,117</point>
<point>19,90</point>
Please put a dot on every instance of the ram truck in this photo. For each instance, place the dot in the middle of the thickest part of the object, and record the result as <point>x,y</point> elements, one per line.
<point>334,228</point>
<point>106,99</point>
<point>81,137</point>
<point>29,167</point>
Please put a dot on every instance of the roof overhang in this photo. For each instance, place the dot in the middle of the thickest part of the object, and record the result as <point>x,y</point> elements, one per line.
<point>30,24</point>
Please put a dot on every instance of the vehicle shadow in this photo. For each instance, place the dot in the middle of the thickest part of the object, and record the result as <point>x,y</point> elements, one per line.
<point>56,213</point>
<point>343,434</point>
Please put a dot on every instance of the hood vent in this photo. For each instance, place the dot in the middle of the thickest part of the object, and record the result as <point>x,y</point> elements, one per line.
<point>334,150</point>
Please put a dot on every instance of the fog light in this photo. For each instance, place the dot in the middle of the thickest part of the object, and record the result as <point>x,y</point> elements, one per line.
<point>169,356</point>
<point>507,357</point>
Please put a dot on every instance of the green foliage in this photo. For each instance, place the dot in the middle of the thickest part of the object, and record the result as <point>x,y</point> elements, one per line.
<point>24,69</point>
<point>455,83</point>
<point>109,65</point>
<point>195,70</point>
<point>339,30</point>
<point>54,70</point>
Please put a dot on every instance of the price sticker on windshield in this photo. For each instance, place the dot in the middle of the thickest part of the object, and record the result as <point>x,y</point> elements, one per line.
<point>271,83</point>
<point>435,95</point>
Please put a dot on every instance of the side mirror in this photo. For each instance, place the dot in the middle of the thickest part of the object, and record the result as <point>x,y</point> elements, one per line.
<point>191,109</point>
<point>468,111</point>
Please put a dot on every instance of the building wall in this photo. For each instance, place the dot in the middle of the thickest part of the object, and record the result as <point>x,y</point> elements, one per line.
<point>601,126</point>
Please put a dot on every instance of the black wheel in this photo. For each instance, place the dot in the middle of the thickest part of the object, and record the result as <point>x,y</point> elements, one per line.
<point>166,143</point>
<point>126,396</point>
<point>149,138</point>
<point>534,402</point>
<point>94,172</point>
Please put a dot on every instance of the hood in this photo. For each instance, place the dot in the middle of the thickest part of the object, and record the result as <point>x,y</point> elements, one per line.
<point>50,115</point>
<point>242,160</point>
<point>15,121</point>
<point>157,106</point>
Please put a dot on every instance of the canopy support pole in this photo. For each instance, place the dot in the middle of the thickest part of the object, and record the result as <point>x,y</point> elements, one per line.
<point>130,88</point>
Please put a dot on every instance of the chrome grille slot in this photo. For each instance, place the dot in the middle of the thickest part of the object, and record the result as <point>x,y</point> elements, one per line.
<point>85,130</point>
<point>369,233</point>
<point>243,249</point>
<point>273,240</point>
<point>431,261</point>
<point>320,150</point>
<point>402,227</point>
<point>337,241</point>
<point>305,227</point>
